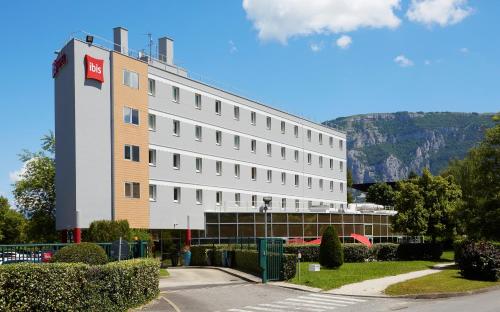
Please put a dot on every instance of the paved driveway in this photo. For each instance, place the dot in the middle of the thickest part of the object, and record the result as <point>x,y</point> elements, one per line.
<point>187,277</point>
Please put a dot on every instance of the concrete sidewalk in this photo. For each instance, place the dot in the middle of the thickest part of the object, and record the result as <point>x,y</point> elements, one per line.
<point>376,287</point>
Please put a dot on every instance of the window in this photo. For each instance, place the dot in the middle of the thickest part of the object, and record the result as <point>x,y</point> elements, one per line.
<point>296,155</point>
<point>237,199</point>
<point>320,160</point>
<point>131,79</point>
<point>320,138</point>
<point>177,194</point>
<point>176,96</point>
<point>309,158</point>
<point>130,115</point>
<point>268,123</point>
<point>199,164</point>
<point>269,149</point>
<point>309,182</point>
<point>296,131</point>
<point>132,190</point>
<point>152,122</point>
<point>309,135</point>
<point>237,171</point>
<point>309,204</point>
<point>197,133</point>
<point>253,118</point>
<point>218,167</point>
<point>283,203</point>
<point>218,198</point>
<point>236,111</point>
<point>152,157</point>
<point>269,176</point>
<point>341,166</point>
<point>237,142</point>
<point>331,163</point>
<point>296,180</point>
<point>283,152</point>
<point>283,178</point>
<point>218,107</point>
<point>341,144</point>
<point>341,187</point>
<point>152,192</point>
<point>253,146</point>
<point>297,204</point>
<point>131,152</point>
<point>254,173</point>
<point>176,163</point>
<point>218,137</point>
<point>283,127</point>
<point>331,186</point>
<point>197,101</point>
<point>330,141</point>
<point>151,87</point>
<point>199,197</point>
<point>176,129</point>
<point>254,201</point>
<point>320,184</point>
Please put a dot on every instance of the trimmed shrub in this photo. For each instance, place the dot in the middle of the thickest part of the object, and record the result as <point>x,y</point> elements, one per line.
<point>419,251</point>
<point>108,231</point>
<point>478,260</point>
<point>88,253</point>
<point>310,253</point>
<point>200,254</point>
<point>385,251</point>
<point>331,254</point>
<point>247,261</point>
<point>116,286</point>
<point>356,252</point>
<point>288,267</point>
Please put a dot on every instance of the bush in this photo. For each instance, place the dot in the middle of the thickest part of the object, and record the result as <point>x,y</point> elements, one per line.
<point>478,260</point>
<point>385,251</point>
<point>310,253</point>
<point>288,267</point>
<point>108,231</point>
<point>88,253</point>
<point>356,253</point>
<point>200,254</point>
<point>331,254</point>
<point>419,251</point>
<point>116,286</point>
<point>247,261</point>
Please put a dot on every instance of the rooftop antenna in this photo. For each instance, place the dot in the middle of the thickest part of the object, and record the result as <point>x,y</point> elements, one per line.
<point>150,44</point>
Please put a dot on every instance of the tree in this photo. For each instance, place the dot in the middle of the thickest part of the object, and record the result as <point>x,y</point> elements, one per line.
<point>411,218</point>
<point>349,186</point>
<point>108,231</point>
<point>12,224</point>
<point>35,191</point>
<point>381,194</point>
<point>331,254</point>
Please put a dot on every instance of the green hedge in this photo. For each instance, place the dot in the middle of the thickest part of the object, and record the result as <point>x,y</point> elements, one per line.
<point>87,253</point>
<point>309,253</point>
<point>419,251</point>
<point>247,261</point>
<point>289,267</point>
<point>384,251</point>
<point>356,252</point>
<point>116,286</point>
<point>478,260</point>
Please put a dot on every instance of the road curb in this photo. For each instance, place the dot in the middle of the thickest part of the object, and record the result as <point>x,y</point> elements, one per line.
<point>448,295</point>
<point>244,276</point>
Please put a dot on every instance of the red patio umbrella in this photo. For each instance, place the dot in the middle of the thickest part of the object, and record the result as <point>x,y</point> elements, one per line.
<point>315,242</point>
<point>362,239</point>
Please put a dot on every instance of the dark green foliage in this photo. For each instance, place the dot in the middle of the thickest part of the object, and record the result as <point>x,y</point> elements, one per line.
<point>385,251</point>
<point>116,286</point>
<point>88,253</point>
<point>289,267</point>
<point>331,254</point>
<point>381,194</point>
<point>419,251</point>
<point>355,252</point>
<point>108,231</point>
<point>12,224</point>
<point>247,261</point>
<point>309,253</point>
<point>478,260</point>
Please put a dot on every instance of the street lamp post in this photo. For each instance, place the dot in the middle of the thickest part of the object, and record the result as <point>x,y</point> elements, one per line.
<point>267,200</point>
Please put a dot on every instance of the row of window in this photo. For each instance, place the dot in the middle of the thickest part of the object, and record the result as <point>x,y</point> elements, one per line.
<point>236,114</point>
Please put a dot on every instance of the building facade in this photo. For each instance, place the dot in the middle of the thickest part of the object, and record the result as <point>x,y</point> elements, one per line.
<point>137,139</point>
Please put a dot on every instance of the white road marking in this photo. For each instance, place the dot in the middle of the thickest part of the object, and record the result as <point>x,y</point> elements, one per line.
<point>326,300</point>
<point>320,304</point>
<point>310,307</point>
<point>338,297</point>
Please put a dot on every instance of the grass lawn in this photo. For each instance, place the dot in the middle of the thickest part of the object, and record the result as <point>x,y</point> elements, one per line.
<point>164,273</point>
<point>356,272</point>
<point>448,255</point>
<point>447,281</point>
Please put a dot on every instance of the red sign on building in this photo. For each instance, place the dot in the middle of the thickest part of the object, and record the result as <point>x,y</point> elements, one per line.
<point>94,68</point>
<point>58,63</point>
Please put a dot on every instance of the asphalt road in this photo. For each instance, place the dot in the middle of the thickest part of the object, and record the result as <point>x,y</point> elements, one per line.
<point>235,295</point>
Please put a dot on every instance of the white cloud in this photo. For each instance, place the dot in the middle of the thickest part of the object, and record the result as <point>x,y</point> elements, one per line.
<point>344,42</point>
<point>403,61</point>
<point>316,47</point>
<point>441,12</point>
<point>464,50</point>
<point>15,176</point>
<point>232,47</point>
<point>281,19</point>
<point>427,62</point>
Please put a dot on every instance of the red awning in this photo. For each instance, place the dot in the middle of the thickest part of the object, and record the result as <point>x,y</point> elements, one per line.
<point>362,239</point>
<point>315,242</point>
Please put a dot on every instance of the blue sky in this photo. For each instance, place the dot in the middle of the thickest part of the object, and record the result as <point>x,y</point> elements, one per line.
<point>394,55</point>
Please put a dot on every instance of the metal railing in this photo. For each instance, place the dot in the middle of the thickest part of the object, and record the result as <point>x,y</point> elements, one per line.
<point>248,206</point>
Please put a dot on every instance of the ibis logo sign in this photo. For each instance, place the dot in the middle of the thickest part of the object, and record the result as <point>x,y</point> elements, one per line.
<point>94,68</point>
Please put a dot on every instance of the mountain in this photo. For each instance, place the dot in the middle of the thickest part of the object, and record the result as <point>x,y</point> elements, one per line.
<point>388,146</point>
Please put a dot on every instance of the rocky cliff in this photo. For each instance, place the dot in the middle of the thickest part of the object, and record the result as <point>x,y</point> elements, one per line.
<point>388,146</point>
